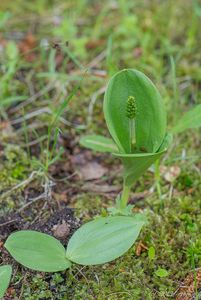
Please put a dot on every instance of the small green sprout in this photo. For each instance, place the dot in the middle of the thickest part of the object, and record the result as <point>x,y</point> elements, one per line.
<point>131,109</point>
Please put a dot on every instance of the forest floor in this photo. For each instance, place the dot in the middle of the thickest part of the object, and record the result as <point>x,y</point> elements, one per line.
<point>50,50</point>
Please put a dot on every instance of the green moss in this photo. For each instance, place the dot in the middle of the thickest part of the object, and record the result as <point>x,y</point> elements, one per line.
<point>87,205</point>
<point>14,167</point>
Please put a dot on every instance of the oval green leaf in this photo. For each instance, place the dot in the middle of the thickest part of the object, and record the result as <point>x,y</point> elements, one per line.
<point>5,275</point>
<point>98,143</point>
<point>104,239</point>
<point>151,116</point>
<point>37,251</point>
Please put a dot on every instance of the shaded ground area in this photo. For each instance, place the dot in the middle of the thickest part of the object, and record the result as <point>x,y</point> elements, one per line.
<point>53,52</point>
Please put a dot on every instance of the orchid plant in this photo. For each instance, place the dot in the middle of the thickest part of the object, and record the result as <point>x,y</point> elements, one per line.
<point>136,119</point>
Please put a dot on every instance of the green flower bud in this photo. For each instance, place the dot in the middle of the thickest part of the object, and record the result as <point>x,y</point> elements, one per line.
<point>131,107</point>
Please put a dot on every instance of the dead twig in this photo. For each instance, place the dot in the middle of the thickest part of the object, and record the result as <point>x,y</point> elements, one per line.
<point>23,183</point>
<point>34,200</point>
<point>8,222</point>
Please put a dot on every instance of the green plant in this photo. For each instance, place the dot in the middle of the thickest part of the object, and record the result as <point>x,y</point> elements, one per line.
<point>139,140</point>
<point>5,275</point>
<point>136,119</point>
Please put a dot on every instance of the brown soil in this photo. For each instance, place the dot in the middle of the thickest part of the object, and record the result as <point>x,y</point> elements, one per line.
<point>14,222</point>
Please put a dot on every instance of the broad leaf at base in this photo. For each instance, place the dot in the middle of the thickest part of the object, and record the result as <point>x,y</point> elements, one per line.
<point>104,239</point>
<point>37,251</point>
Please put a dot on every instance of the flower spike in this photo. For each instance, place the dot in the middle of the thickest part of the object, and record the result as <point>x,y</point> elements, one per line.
<point>131,109</point>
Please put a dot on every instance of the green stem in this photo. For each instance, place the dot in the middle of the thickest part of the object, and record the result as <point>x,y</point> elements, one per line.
<point>125,195</point>
<point>132,134</point>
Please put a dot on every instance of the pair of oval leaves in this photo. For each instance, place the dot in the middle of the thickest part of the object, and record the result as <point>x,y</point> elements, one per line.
<point>96,242</point>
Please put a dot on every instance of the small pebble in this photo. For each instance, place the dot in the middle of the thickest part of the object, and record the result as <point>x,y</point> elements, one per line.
<point>61,231</point>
